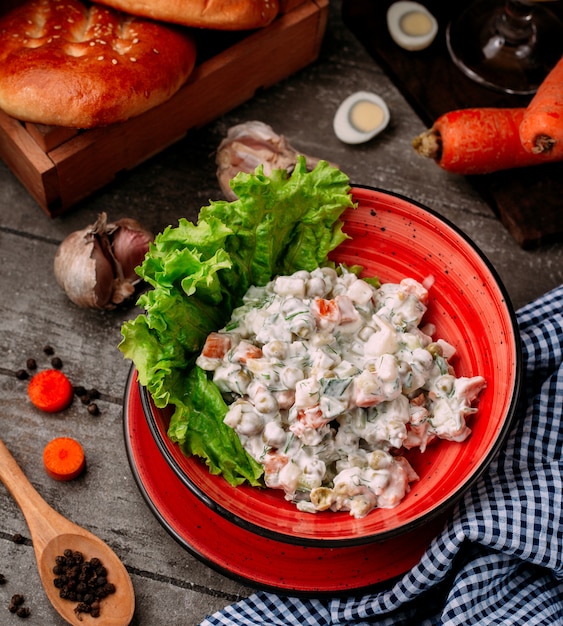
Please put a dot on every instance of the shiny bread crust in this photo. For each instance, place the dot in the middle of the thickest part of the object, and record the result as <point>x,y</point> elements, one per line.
<point>212,14</point>
<point>65,63</point>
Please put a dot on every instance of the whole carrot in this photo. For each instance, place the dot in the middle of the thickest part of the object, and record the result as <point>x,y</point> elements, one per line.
<point>478,141</point>
<point>541,130</point>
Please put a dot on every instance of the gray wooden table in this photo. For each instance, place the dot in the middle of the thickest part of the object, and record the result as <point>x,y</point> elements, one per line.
<point>172,587</point>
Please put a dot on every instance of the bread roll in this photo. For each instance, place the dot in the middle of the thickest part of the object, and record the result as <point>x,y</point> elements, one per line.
<point>64,63</point>
<point>213,14</point>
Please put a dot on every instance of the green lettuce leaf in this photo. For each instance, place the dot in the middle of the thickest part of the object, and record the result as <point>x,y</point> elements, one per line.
<point>197,434</point>
<point>199,272</point>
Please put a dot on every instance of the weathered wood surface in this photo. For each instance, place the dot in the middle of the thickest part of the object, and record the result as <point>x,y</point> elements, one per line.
<point>172,587</point>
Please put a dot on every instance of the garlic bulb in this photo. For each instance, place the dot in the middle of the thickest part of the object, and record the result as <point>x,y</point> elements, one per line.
<point>250,144</point>
<point>95,266</point>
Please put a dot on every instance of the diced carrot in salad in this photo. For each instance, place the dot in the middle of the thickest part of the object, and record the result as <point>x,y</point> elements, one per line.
<point>216,346</point>
<point>324,309</point>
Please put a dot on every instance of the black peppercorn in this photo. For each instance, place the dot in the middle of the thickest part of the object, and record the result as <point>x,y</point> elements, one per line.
<point>2,579</point>
<point>22,375</point>
<point>84,582</point>
<point>31,364</point>
<point>82,607</point>
<point>16,603</point>
<point>23,611</point>
<point>17,538</point>
<point>56,363</point>
<point>48,350</point>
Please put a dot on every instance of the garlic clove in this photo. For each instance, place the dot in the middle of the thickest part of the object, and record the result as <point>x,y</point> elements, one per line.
<point>122,290</point>
<point>95,266</point>
<point>103,275</point>
<point>249,145</point>
<point>83,271</point>
<point>129,245</point>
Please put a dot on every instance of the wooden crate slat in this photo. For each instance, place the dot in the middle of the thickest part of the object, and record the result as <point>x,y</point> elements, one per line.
<point>28,162</point>
<point>49,137</point>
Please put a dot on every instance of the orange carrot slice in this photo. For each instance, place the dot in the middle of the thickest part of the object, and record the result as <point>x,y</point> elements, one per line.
<point>64,458</point>
<point>50,390</point>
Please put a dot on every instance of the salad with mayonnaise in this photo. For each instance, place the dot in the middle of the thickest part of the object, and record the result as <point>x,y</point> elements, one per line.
<point>328,377</point>
<point>357,379</point>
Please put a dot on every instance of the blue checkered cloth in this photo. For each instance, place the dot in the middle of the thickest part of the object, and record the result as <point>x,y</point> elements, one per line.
<point>499,560</point>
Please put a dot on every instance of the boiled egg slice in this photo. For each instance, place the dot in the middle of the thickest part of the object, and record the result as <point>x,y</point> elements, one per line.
<point>411,25</point>
<point>360,117</point>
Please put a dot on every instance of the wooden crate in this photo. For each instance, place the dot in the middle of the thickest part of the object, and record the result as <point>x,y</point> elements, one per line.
<point>61,166</point>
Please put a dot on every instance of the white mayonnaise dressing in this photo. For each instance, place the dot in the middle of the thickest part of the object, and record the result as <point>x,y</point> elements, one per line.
<point>332,377</point>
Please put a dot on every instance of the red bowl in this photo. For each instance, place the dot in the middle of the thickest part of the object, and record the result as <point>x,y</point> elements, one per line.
<point>393,237</point>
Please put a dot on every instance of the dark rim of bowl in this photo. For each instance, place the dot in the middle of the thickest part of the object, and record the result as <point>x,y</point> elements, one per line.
<point>447,505</point>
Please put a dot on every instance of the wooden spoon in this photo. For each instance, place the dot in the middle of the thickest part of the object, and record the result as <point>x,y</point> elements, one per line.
<point>52,534</point>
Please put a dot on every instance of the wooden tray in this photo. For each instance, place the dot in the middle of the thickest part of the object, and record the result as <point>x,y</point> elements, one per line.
<point>528,201</point>
<point>61,166</point>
